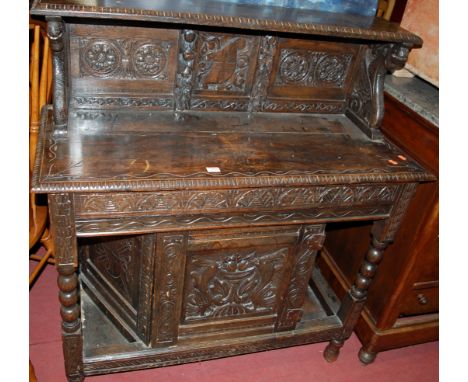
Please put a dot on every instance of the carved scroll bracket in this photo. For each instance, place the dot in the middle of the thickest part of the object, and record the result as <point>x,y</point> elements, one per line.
<point>56,33</point>
<point>366,101</point>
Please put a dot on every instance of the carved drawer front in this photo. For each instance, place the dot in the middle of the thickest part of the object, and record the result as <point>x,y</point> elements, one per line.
<point>125,66</point>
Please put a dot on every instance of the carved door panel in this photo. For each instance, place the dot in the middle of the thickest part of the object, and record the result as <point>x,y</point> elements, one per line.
<point>246,280</point>
<point>117,272</point>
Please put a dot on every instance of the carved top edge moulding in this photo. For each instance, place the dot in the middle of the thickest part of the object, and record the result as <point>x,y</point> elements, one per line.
<point>216,13</point>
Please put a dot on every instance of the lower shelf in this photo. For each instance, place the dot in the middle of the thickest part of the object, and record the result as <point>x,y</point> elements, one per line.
<point>107,351</point>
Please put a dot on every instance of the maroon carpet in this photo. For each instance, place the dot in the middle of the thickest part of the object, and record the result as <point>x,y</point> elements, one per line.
<point>301,363</point>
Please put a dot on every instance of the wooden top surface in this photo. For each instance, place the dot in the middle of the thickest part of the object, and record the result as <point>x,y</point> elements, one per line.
<point>137,151</point>
<point>218,14</point>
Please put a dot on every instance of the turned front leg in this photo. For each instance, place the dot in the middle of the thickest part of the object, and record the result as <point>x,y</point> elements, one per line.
<point>383,233</point>
<point>71,323</point>
<point>353,302</point>
<point>62,221</point>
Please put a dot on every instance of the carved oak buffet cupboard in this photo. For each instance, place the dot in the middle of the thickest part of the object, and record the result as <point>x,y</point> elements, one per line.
<point>192,157</point>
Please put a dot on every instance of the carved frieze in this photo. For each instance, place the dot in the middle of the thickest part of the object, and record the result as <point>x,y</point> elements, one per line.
<point>123,58</point>
<point>312,69</point>
<point>224,62</point>
<point>183,222</point>
<point>124,101</point>
<point>233,283</point>
<point>219,104</point>
<point>282,197</point>
<point>303,106</point>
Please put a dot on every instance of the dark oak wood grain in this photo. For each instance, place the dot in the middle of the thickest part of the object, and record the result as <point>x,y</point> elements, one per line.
<point>192,161</point>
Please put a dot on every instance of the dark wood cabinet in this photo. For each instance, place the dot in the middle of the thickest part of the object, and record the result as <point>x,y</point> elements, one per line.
<point>192,161</point>
<point>402,306</point>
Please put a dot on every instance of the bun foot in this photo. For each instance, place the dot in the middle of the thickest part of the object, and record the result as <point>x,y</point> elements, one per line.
<point>332,351</point>
<point>366,357</point>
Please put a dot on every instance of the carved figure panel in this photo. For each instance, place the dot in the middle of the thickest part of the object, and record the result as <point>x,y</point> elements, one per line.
<point>312,68</point>
<point>124,58</point>
<point>233,283</point>
<point>225,63</point>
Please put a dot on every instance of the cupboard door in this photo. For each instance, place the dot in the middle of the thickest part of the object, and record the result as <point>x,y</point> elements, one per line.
<point>245,281</point>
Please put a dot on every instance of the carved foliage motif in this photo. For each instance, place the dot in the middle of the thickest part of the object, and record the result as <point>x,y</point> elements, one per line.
<point>233,199</point>
<point>234,283</point>
<point>93,101</point>
<point>313,69</point>
<point>224,62</point>
<point>124,58</point>
<point>303,107</point>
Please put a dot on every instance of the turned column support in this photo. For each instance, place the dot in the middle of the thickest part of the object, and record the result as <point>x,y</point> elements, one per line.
<point>56,33</point>
<point>383,233</point>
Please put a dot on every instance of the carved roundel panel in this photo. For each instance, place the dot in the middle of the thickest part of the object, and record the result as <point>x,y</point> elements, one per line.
<point>149,60</point>
<point>331,69</point>
<point>294,67</point>
<point>101,58</point>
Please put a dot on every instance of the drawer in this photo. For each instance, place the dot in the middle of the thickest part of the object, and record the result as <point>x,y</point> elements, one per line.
<point>421,301</point>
